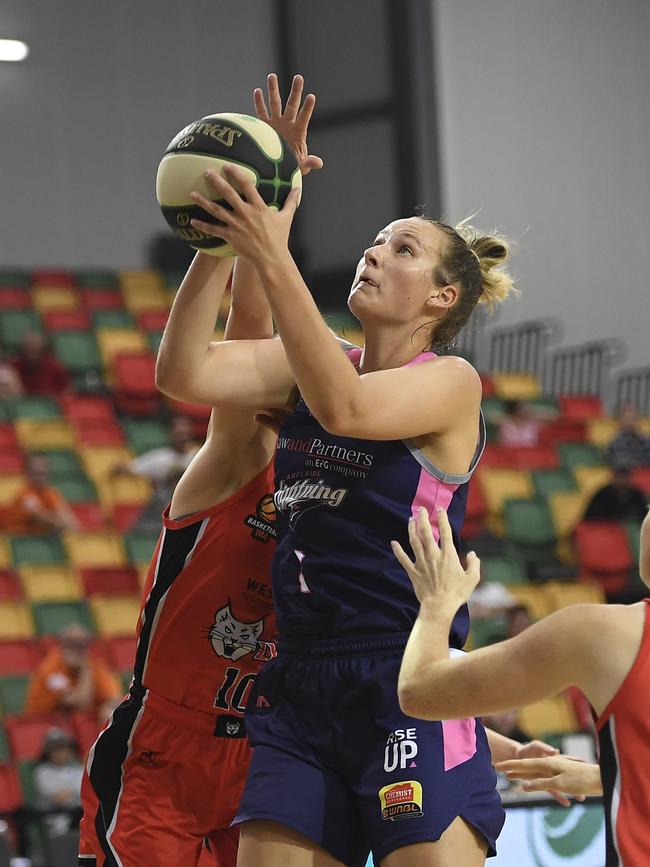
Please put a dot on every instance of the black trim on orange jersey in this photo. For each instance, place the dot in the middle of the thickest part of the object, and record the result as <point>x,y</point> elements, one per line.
<point>608,773</point>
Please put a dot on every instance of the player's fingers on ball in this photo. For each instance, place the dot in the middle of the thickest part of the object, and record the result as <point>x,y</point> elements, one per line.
<point>293,100</point>
<point>241,181</point>
<point>292,201</point>
<point>275,100</point>
<point>226,190</point>
<point>209,229</point>
<point>260,104</point>
<point>401,555</point>
<point>210,206</point>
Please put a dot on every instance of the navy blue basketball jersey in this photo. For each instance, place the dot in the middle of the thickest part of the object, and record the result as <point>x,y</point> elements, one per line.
<point>339,502</point>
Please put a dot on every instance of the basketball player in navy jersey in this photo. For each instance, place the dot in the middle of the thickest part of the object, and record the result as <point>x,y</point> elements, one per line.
<point>374,436</point>
<point>565,649</point>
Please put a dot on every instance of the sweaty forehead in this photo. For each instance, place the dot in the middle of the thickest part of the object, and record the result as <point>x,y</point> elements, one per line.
<point>426,233</point>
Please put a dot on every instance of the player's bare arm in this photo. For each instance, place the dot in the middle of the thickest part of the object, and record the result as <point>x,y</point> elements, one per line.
<point>554,774</point>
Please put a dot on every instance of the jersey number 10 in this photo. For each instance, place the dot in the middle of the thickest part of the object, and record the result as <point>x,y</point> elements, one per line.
<point>233,692</point>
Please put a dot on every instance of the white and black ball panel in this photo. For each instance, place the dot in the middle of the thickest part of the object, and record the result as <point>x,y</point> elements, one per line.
<point>211,143</point>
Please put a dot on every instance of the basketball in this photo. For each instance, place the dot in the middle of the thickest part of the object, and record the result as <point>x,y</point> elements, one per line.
<point>211,143</point>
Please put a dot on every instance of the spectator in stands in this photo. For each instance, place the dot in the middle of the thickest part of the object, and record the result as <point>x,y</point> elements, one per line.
<point>38,507</point>
<point>10,384</point>
<point>57,782</point>
<point>630,446</point>
<point>71,678</point>
<point>490,599</point>
<point>163,467</point>
<point>517,620</point>
<point>520,426</point>
<point>39,370</point>
<point>619,500</point>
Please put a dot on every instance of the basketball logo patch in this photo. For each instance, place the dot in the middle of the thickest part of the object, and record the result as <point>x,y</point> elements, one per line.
<point>401,800</point>
<point>262,522</point>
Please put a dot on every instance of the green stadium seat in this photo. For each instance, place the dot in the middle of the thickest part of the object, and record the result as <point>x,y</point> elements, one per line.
<point>145,434</point>
<point>52,617</point>
<point>528,523</point>
<point>26,550</point>
<point>154,338</point>
<point>91,279</point>
<point>13,691</point>
<point>579,454</point>
<point>77,351</point>
<point>62,465</point>
<point>507,568</point>
<point>113,319</point>
<point>139,547</point>
<point>26,774</point>
<point>77,489</point>
<point>547,482</point>
<point>545,403</point>
<point>15,277</point>
<point>32,407</point>
<point>14,324</point>
<point>4,746</point>
<point>486,630</point>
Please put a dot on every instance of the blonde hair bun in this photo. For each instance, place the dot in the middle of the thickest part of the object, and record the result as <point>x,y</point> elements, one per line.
<point>491,251</point>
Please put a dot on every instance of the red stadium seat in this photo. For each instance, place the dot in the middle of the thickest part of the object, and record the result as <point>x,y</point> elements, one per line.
<point>99,433</point>
<point>12,462</point>
<point>67,320</point>
<point>604,554</point>
<point>198,413</point>
<point>125,515</point>
<point>85,728</point>
<point>89,515</point>
<point>135,385</point>
<point>153,320</point>
<point>8,437</point>
<point>57,277</point>
<point>107,581</point>
<point>121,652</point>
<point>9,585</point>
<point>563,430</point>
<point>488,385</point>
<point>580,406</point>
<point>18,657</point>
<point>102,299</point>
<point>543,457</point>
<point>25,734</point>
<point>14,299</point>
<point>11,797</point>
<point>98,410</point>
<point>495,455</point>
<point>476,511</point>
<point>641,478</point>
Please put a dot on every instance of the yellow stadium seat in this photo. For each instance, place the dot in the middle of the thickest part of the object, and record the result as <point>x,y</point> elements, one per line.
<point>590,479</point>
<point>516,386</point>
<point>567,509</point>
<point>16,621</point>
<point>143,570</point>
<point>10,484</point>
<point>141,279</point>
<point>644,425</point>
<point>560,595</point>
<point>50,583</point>
<point>140,298</point>
<point>54,299</point>
<point>5,555</point>
<point>124,489</point>
<point>37,434</point>
<point>99,461</point>
<point>94,549</point>
<point>112,341</point>
<point>500,484</point>
<point>534,598</point>
<point>115,615</point>
<point>601,431</point>
<point>549,716</point>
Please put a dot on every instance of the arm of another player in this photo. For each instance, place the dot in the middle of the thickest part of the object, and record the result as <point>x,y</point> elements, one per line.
<point>542,661</point>
<point>554,774</point>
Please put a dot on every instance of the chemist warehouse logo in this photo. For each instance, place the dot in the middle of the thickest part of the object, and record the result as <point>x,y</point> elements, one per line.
<point>401,801</point>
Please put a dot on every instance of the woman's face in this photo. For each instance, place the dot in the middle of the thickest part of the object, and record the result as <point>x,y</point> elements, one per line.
<point>394,278</point>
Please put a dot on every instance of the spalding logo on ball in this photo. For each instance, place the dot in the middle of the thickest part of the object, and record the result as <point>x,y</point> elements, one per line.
<point>211,143</point>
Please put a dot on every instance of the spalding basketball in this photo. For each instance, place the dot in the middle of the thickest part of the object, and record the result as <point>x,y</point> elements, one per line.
<point>211,143</point>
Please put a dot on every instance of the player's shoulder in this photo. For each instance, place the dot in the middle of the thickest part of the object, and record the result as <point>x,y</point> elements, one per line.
<point>455,371</point>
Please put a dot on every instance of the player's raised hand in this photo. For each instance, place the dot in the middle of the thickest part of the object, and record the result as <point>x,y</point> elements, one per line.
<point>554,774</point>
<point>437,573</point>
<point>292,121</point>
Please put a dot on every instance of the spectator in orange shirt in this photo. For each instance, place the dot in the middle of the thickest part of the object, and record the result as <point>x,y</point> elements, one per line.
<point>39,370</point>
<point>71,679</point>
<point>38,507</point>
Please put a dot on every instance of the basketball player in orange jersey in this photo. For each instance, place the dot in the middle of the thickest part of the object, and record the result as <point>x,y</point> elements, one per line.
<point>169,768</point>
<point>602,649</point>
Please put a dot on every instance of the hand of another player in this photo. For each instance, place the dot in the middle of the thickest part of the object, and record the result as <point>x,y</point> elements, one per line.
<point>554,774</point>
<point>256,232</point>
<point>292,122</point>
<point>437,574</point>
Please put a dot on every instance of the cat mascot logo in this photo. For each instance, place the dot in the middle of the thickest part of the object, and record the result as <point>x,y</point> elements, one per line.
<point>231,638</point>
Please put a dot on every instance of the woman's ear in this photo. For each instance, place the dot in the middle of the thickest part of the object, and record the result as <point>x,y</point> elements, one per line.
<point>443,297</point>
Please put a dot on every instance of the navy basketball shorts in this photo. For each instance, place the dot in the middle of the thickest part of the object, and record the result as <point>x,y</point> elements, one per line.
<point>336,759</point>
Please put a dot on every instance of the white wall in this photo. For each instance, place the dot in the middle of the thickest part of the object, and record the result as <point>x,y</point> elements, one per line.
<point>545,123</point>
<point>86,118</point>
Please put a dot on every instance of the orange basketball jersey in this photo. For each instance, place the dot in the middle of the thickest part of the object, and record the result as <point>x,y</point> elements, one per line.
<point>624,739</point>
<point>206,625</point>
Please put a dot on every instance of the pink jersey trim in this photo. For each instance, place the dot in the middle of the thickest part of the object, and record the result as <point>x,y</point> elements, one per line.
<point>432,493</point>
<point>459,739</point>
